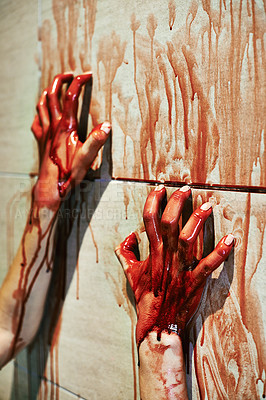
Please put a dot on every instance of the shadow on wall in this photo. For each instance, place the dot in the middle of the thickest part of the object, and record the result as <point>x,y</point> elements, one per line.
<point>213,299</point>
<point>73,220</point>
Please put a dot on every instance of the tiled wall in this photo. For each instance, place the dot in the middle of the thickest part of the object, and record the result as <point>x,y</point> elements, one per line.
<point>183,83</point>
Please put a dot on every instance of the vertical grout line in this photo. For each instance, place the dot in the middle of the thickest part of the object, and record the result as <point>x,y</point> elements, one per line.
<point>39,45</point>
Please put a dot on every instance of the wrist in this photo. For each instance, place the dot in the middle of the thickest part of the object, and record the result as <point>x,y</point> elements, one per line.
<point>152,345</point>
<point>46,195</point>
<point>43,210</point>
<point>162,370</point>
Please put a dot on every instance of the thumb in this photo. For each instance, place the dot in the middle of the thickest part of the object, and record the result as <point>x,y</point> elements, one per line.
<point>94,142</point>
<point>126,254</point>
<point>89,150</point>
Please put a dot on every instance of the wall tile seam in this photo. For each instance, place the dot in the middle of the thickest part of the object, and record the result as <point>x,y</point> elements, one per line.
<point>49,381</point>
<point>220,188</point>
<point>39,44</point>
<point>209,187</point>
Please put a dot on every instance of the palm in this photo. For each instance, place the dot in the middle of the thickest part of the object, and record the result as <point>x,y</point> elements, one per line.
<point>64,160</point>
<point>167,285</point>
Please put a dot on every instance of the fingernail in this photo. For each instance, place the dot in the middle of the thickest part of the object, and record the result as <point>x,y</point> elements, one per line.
<point>106,127</point>
<point>184,188</point>
<point>205,206</point>
<point>229,239</point>
<point>158,188</point>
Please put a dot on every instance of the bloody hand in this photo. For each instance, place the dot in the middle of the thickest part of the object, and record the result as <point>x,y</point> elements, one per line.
<point>169,283</point>
<point>64,160</point>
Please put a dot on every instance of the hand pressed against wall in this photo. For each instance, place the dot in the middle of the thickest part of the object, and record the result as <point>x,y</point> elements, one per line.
<point>64,160</point>
<point>169,283</point>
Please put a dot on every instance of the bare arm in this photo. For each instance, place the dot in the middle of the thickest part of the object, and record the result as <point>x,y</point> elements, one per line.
<point>64,161</point>
<point>167,287</point>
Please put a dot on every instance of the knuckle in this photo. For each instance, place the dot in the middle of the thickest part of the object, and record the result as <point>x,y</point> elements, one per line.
<point>52,97</point>
<point>196,217</point>
<point>166,225</point>
<point>33,128</point>
<point>96,134</point>
<point>69,96</point>
<point>57,80</point>
<point>57,77</point>
<point>148,216</point>
<point>177,195</point>
<point>184,239</point>
<point>206,269</point>
<point>222,251</point>
<point>44,94</point>
<point>97,137</point>
<point>42,100</point>
<point>118,250</point>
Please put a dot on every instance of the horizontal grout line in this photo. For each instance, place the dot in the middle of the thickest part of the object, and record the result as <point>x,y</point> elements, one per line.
<point>43,378</point>
<point>17,174</point>
<point>228,188</point>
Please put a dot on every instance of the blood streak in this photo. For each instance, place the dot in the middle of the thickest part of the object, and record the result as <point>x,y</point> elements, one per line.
<point>90,9</point>
<point>206,123</point>
<point>111,53</point>
<point>54,359</point>
<point>193,8</point>
<point>232,353</point>
<point>147,92</point>
<point>179,73</point>
<point>248,296</point>
<point>125,122</point>
<point>24,289</point>
<point>12,213</point>
<point>135,24</point>
<point>47,71</point>
<point>126,199</point>
<point>70,144</point>
<point>73,16</point>
<point>95,244</point>
<point>172,13</point>
<point>167,83</point>
<point>59,10</point>
<point>66,31</point>
<point>241,276</point>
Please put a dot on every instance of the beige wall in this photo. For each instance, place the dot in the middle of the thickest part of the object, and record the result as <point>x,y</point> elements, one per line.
<point>187,104</point>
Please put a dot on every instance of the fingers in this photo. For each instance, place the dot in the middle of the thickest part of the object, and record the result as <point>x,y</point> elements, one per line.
<point>89,150</point>
<point>151,216</point>
<point>126,254</point>
<point>208,264</point>
<point>95,141</point>
<point>191,230</point>
<point>36,128</point>
<point>71,97</point>
<point>53,95</point>
<point>42,110</point>
<point>171,215</point>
